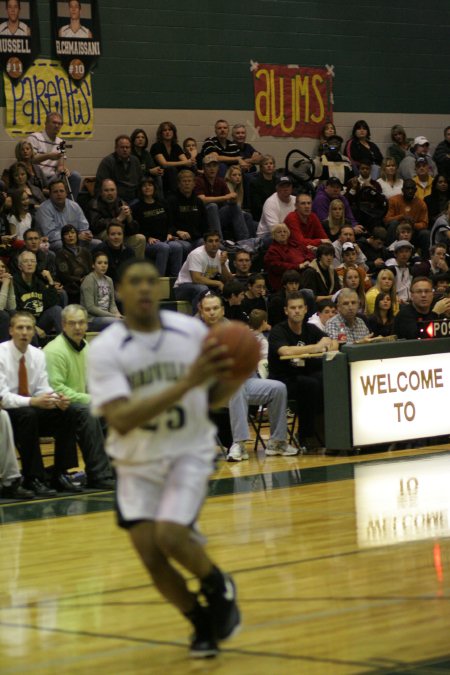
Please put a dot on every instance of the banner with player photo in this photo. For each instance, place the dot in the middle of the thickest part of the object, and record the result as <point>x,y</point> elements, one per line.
<point>76,31</point>
<point>19,36</point>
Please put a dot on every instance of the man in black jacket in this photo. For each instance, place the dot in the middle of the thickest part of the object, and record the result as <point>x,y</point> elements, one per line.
<point>123,168</point>
<point>188,213</point>
<point>407,321</point>
<point>34,296</point>
<point>442,154</point>
<point>109,206</point>
<point>115,249</point>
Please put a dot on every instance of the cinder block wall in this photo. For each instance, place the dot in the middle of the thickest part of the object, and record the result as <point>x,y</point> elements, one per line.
<point>189,63</point>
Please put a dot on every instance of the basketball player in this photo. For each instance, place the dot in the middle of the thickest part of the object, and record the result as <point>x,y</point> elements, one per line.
<point>13,26</point>
<point>153,377</point>
<point>74,29</point>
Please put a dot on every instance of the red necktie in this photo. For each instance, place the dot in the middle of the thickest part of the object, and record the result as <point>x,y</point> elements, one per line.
<point>23,378</point>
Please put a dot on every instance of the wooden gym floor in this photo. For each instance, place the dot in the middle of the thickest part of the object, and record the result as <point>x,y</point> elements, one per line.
<point>342,566</point>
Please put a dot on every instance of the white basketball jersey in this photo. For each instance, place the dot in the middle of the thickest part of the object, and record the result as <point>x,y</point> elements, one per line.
<point>131,364</point>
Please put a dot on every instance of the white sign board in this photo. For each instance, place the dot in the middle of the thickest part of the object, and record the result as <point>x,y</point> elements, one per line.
<point>399,399</point>
<point>398,501</point>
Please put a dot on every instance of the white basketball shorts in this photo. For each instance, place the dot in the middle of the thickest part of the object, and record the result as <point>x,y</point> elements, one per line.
<point>169,490</point>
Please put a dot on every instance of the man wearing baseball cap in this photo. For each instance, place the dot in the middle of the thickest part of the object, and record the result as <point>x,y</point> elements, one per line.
<point>349,260</point>
<point>276,207</point>
<point>419,148</point>
<point>222,210</point>
<point>401,267</point>
<point>422,179</point>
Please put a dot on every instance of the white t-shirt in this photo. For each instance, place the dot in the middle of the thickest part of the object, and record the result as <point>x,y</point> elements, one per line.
<point>43,145</point>
<point>388,190</point>
<point>315,320</point>
<point>274,212</point>
<point>131,364</point>
<point>21,226</point>
<point>104,298</point>
<point>199,261</point>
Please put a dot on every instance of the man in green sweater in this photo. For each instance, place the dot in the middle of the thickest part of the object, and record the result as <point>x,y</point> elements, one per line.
<point>66,358</point>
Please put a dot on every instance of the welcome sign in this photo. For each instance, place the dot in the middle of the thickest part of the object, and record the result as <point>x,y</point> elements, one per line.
<point>399,399</point>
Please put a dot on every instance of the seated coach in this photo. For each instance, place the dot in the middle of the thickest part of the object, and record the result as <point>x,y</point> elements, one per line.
<point>66,358</point>
<point>35,410</point>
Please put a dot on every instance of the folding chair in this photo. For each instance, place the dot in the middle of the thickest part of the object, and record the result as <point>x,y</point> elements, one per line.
<point>256,415</point>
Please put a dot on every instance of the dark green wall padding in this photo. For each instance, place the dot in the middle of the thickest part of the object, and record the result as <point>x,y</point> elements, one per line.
<point>389,56</point>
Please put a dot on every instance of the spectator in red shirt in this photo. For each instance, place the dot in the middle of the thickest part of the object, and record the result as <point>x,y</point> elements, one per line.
<point>283,254</point>
<point>305,227</point>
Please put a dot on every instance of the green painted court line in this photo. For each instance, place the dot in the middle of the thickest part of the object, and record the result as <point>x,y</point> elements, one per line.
<point>98,502</point>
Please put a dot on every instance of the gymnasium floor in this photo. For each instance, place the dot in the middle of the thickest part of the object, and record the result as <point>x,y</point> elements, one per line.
<point>342,566</point>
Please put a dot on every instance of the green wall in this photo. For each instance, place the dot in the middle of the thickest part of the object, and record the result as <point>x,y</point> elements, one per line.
<point>390,56</point>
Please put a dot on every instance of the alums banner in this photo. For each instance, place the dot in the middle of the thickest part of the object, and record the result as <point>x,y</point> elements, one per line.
<point>76,30</point>
<point>292,100</point>
<point>19,36</point>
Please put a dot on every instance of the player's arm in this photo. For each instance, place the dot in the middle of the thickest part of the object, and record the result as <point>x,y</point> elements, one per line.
<point>126,414</point>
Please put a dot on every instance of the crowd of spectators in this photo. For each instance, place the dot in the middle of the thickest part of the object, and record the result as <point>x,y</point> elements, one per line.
<point>364,242</point>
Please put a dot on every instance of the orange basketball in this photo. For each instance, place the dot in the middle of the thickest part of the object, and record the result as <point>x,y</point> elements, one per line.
<point>242,346</point>
<point>14,67</point>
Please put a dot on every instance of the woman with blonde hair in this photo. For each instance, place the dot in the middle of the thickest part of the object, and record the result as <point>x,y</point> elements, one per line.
<point>391,183</point>
<point>336,219</point>
<point>385,283</point>
<point>25,153</point>
<point>400,143</point>
<point>234,180</point>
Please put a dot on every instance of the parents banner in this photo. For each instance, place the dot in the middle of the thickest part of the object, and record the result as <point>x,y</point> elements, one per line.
<point>47,88</point>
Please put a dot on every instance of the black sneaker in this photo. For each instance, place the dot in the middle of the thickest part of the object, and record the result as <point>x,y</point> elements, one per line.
<point>39,488</point>
<point>101,483</point>
<point>63,483</point>
<point>224,610</point>
<point>16,491</point>
<point>203,643</point>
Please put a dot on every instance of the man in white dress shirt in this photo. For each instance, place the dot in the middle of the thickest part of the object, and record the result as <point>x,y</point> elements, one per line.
<point>36,410</point>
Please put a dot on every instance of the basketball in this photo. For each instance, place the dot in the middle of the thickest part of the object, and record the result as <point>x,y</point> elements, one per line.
<point>242,346</point>
<point>76,69</point>
<point>14,67</point>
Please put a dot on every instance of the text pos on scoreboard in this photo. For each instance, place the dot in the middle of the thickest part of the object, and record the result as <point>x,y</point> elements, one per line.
<point>438,328</point>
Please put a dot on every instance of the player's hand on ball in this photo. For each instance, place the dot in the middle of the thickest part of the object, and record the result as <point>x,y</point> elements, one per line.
<point>214,362</point>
